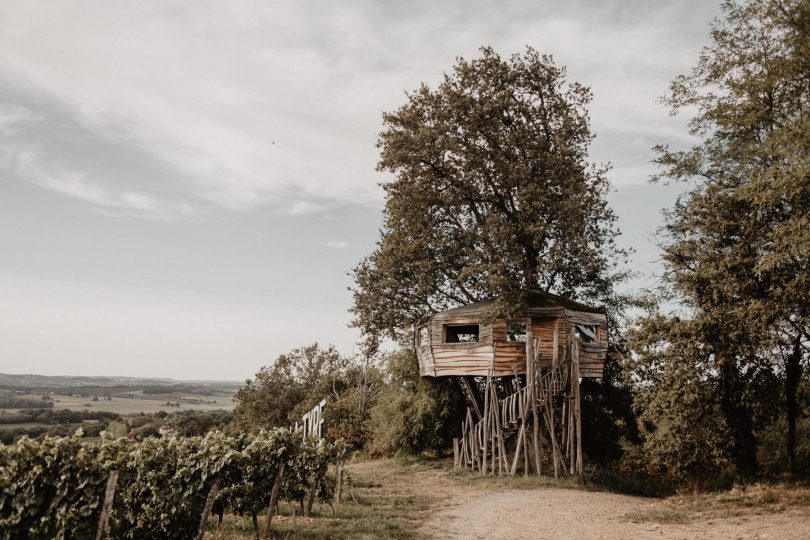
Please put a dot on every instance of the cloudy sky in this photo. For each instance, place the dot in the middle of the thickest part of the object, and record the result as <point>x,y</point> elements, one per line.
<point>184,185</point>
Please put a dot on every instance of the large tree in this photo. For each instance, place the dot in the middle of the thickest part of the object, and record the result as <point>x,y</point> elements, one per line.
<point>492,193</point>
<point>737,245</point>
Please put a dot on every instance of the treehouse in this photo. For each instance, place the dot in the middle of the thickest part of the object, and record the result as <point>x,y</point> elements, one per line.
<point>461,342</point>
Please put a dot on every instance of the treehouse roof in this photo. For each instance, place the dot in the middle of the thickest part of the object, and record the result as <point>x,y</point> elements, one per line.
<point>536,300</point>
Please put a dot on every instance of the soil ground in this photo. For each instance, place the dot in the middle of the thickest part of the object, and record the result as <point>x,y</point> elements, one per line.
<point>567,513</point>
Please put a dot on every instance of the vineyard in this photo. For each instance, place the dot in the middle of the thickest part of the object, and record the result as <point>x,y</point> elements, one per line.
<point>62,487</point>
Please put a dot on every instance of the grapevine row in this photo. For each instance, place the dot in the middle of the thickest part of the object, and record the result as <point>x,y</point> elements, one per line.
<point>54,487</point>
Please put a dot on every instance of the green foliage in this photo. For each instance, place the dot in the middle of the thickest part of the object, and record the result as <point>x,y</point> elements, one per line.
<point>414,414</point>
<point>54,416</point>
<point>492,194</point>
<point>279,394</point>
<point>53,488</point>
<point>736,249</point>
<point>10,401</point>
<point>50,489</point>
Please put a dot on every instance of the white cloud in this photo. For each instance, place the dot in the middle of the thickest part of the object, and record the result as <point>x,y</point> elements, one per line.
<point>11,115</point>
<point>300,208</point>
<point>337,244</point>
<point>256,103</point>
<point>30,164</point>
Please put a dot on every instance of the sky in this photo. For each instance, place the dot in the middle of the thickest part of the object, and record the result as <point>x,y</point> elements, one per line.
<point>184,186</point>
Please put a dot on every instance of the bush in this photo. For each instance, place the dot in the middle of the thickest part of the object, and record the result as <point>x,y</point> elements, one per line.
<point>414,414</point>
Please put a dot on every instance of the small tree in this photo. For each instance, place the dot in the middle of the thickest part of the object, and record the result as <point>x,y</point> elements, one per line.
<point>278,392</point>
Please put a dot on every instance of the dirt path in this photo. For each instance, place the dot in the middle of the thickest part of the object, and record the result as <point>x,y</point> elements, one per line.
<point>567,513</point>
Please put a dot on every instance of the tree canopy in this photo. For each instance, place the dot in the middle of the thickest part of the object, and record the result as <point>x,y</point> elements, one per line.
<point>492,193</point>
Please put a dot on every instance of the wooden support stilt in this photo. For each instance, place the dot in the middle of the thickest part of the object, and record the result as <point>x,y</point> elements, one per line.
<point>571,419</point>
<point>518,446</point>
<point>499,433</point>
<point>485,425</point>
<point>538,466</point>
<point>578,410</point>
<point>475,396</point>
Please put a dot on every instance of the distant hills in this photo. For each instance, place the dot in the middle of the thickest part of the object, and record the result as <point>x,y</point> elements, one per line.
<point>29,381</point>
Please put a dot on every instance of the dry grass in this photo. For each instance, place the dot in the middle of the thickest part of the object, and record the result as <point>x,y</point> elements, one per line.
<point>740,501</point>
<point>391,499</point>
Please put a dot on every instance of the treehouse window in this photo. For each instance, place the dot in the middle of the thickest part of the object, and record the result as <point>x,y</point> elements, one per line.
<point>516,331</point>
<point>466,333</point>
<point>586,332</point>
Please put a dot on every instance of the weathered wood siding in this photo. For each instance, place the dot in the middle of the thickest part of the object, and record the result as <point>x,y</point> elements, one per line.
<point>592,359</point>
<point>543,329</point>
<point>510,357</point>
<point>424,354</point>
<point>592,355</point>
<point>458,359</point>
<point>439,359</point>
<point>499,330</point>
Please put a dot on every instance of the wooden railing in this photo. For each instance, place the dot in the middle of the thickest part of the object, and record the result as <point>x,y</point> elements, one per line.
<point>509,428</point>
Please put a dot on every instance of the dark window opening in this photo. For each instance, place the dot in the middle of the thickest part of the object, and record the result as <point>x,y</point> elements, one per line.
<point>586,332</point>
<point>516,331</point>
<point>467,333</point>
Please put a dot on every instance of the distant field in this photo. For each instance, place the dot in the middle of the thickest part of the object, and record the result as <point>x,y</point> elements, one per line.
<point>23,425</point>
<point>119,395</point>
<point>139,403</point>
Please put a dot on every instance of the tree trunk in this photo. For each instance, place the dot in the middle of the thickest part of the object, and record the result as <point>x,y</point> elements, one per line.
<point>312,492</point>
<point>738,419</point>
<point>793,374</point>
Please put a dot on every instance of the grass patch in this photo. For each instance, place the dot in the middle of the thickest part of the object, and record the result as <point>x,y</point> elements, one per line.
<point>659,515</point>
<point>740,501</point>
<point>474,480</point>
<point>392,499</point>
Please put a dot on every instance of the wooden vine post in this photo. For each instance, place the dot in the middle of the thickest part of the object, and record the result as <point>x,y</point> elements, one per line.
<point>209,504</point>
<point>339,478</point>
<point>274,493</point>
<point>106,506</point>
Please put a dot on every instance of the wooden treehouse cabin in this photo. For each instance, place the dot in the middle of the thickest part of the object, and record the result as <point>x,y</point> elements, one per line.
<point>533,365</point>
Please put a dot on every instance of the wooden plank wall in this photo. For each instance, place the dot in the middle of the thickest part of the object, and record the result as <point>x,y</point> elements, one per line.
<point>592,355</point>
<point>510,357</point>
<point>424,354</point>
<point>543,328</point>
<point>592,359</point>
<point>459,359</point>
<point>499,330</point>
